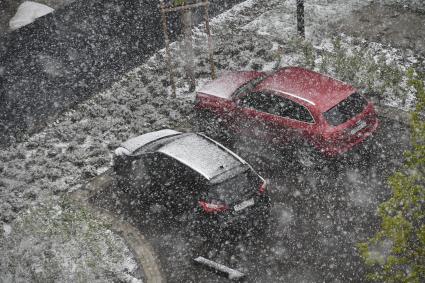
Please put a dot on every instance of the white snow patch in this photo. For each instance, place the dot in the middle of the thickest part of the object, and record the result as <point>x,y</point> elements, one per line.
<point>7,229</point>
<point>27,13</point>
<point>231,12</point>
<point>232,273</point>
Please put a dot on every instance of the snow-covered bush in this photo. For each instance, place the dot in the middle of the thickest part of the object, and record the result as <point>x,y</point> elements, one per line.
<point>63,243</point>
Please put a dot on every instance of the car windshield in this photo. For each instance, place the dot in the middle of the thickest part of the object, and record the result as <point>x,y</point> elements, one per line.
<point>235,189</point>
<point>249,85</point>
<point>346,109</point>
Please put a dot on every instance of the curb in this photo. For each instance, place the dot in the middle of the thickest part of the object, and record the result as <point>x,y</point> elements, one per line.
<point>141,248</point>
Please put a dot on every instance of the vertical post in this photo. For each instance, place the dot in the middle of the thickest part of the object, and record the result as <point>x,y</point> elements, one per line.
<point>300,18</point>
<point>210,45</point>
<point>187,30</point>
<point>167,48</point>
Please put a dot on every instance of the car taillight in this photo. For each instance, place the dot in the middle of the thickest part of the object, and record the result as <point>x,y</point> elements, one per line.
<point>213,207</point>
<point>262,188</point>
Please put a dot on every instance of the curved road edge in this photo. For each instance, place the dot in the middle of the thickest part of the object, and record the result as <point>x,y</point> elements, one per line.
<point>141,248</point>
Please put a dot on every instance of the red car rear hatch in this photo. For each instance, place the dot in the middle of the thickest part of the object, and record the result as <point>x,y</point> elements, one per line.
<point>228,83</point>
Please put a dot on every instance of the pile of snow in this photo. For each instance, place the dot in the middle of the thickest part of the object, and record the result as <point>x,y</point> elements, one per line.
<point>27,13</point>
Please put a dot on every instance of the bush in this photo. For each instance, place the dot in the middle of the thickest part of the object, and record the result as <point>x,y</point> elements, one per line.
<point>396,253</point>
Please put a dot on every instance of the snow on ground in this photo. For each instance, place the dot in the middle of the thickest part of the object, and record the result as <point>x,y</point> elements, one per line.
<point>79,144</point>
<point>60,242</point>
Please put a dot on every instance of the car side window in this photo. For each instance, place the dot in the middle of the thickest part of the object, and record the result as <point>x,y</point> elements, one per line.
<point>248,86</point>
<point>287,108</point>
<point>161,168</point>
<point>256,100</point>
<point>168,172</point>
<point>131,172</point>
<point>302,114</point>
<point>279,106</point>
<point>276,105</point>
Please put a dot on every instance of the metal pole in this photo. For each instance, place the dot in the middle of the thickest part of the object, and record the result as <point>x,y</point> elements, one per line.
<point>167,48</point>
<point>210,44</point>
<point>189,66</point>
<point>300,18</point>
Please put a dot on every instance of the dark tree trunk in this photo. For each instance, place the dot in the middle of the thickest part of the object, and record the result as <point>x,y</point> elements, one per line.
<point>300,18</point>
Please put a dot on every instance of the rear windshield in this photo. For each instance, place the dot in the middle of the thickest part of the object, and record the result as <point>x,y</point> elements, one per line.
<point>249,85</point>
<point>235,189</point>
<point>346,109</point>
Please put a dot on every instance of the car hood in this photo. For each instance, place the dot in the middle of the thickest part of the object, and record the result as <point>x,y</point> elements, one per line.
<point>228,83</point>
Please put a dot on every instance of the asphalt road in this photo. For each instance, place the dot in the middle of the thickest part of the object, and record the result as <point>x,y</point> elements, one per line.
<point>317,218</point>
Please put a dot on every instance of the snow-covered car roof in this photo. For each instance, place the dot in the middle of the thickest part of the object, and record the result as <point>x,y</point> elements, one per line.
<point>316,89</point>
<point>202,154</point>
<point>131,145</point>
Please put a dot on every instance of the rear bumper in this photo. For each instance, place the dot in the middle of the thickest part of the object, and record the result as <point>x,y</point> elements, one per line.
<point>339,149</point>
<point>244,220</point>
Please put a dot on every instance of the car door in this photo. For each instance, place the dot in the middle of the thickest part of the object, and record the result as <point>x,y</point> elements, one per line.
<point>162,177</point>
<point>132,175</point>
<point>252,119</point>
<point>174,183</point>
<point>291,119</point>
<point>273,118</point>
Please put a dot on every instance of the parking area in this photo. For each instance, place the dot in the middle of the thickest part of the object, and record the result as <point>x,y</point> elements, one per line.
<point>318,216</point>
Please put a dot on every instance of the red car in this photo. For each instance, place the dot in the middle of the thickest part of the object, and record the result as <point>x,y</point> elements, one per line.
<point>291,105</point>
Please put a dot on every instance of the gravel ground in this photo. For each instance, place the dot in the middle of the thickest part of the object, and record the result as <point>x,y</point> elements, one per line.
<point>78,145</point>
